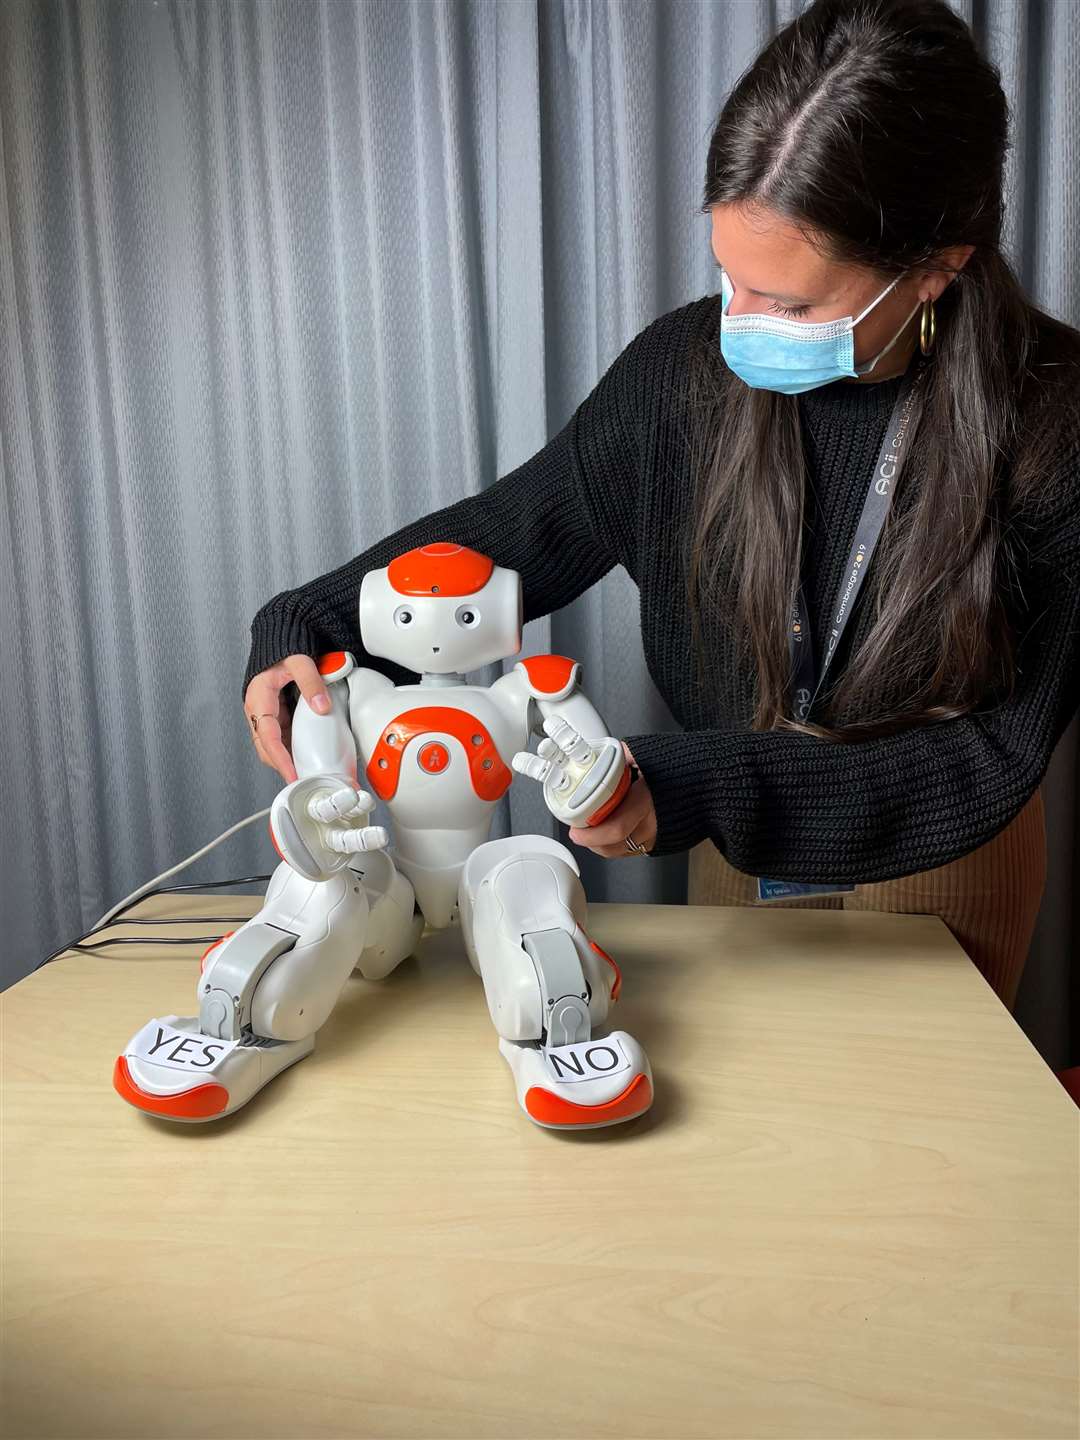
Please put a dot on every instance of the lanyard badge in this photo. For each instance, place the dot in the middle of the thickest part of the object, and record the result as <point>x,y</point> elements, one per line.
<point>806,679</point>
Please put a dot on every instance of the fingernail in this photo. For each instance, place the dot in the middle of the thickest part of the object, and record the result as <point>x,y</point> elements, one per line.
<point>321,703</point>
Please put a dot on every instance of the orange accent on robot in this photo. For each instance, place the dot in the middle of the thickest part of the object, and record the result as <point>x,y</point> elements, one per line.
<point>616,799</point>
<point>490,776</point>
<point>331,661</point>
<point>554,1110</point>
<point>198,1103</point>
<point>549,672</point>
<point>617,986</point>
<point>440,569</point>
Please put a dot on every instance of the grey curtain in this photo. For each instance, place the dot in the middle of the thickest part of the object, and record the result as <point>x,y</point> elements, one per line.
<point>276,278</point>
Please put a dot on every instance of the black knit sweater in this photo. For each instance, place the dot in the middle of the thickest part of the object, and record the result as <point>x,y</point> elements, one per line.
<point>611,488</point>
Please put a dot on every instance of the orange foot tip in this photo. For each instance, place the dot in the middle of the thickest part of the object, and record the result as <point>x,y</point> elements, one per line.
<point>552,1109</point>
<point>198,1103</point>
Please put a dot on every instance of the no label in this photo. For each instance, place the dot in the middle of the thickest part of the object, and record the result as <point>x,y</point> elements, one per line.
<point>588,1059</point>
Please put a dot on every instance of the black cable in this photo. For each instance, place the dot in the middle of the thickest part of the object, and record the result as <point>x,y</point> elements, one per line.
<point>154,920</point>
<point>167,920</point>
<point>127,940</point>
<point>201,885</point>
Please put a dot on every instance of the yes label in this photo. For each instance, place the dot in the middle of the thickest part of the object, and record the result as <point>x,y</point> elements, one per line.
<point>178,1049</point>
<point>588,1059</point>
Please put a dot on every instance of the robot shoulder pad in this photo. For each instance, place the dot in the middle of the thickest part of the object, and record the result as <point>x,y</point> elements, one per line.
<point>336,665</point>
<point>550,677</point>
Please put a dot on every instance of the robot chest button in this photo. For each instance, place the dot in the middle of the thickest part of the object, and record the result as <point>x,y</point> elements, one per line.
<point>433,757</point>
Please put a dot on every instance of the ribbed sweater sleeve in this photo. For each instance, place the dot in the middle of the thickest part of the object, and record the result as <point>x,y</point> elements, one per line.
<point>801,808</point>
<point>562,519</point>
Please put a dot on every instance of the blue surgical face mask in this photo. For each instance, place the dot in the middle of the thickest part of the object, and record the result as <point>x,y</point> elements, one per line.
<point>771,353</point>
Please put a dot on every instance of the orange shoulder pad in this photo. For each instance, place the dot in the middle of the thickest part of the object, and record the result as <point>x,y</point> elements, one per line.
<point>336,664</point>
<point>551,677</point>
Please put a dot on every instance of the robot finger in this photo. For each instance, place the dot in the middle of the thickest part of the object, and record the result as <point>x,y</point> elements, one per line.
<point>550,750</point>
<point>525,763</point>
<point>369,837</point>
<point>568,738</point>
<point>340,805</point>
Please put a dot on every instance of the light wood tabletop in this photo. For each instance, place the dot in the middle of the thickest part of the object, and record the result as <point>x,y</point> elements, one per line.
<point>851,1211</point>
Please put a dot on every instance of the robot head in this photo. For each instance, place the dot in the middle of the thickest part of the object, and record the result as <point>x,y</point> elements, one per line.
<point>441,608</point>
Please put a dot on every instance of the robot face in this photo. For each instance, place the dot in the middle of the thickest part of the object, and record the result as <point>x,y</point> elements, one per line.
<point>441,608</point>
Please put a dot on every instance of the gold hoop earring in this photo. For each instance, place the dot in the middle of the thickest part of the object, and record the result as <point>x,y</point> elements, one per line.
<point>927,327</point>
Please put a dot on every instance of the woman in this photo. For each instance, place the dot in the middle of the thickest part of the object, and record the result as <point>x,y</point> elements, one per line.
<point>871,385</point>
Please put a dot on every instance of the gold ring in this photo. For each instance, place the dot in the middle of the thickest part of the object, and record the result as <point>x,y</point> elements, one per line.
<point>256,718</point>
<point>634,846</point>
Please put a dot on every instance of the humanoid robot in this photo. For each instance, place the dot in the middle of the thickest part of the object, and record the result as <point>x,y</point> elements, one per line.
<point>342,899</point>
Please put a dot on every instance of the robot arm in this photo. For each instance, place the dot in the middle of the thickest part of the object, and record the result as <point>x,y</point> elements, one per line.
<point>319,821</point>
<point>324,744</point>
<point>577,710</point>
<point>583,770</point>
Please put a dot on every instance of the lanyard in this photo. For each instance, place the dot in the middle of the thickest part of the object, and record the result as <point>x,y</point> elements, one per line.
<point>806,682</point>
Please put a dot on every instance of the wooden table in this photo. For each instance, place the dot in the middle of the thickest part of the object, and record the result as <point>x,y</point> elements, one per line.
<point>851,1211</point>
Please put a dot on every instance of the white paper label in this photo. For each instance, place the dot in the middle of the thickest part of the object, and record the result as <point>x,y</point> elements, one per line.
<point>588,1059</point>
<point>160,1043</point>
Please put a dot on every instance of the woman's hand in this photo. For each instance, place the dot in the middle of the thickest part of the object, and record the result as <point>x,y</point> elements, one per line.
<point>636,814</point>
<point>264,701</point>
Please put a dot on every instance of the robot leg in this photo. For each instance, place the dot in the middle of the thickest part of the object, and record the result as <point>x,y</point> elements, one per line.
<point>263,992</point>
<point>548,985</point>
<point>396,921</point>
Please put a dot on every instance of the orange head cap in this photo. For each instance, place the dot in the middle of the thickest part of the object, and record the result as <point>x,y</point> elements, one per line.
<point>440,569</point>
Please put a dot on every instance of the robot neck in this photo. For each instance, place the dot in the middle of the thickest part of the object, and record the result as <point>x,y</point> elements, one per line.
<point>429,677</point>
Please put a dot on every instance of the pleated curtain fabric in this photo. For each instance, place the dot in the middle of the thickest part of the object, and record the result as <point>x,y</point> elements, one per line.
<point>277,276</point>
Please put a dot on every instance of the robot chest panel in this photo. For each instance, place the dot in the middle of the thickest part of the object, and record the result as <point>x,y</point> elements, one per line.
<point>456,741</point>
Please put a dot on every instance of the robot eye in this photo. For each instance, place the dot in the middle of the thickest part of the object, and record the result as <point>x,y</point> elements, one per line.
<point>467,616</point>
<point>403,616</point>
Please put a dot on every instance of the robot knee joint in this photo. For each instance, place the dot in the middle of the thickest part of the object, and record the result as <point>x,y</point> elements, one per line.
<point>280,980</point>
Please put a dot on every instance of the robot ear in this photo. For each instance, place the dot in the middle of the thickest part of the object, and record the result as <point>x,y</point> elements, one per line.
<point>363,608</point>
<point>375,612</point>
<point>502,607</point>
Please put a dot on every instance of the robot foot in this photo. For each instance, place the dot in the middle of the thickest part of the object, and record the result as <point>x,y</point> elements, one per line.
<point>170,1069</point>
<point>594,1082</point>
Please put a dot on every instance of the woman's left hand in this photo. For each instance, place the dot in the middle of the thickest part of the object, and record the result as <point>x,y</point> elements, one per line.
<point>636,814</point>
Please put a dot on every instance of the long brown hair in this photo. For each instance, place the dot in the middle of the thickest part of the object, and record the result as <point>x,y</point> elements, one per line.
<point>877,129</point>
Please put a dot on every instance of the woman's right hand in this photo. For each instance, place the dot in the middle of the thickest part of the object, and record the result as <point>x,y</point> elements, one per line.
<point>264,700</point>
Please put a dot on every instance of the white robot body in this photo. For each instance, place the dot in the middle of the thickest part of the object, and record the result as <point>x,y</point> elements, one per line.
<point>343,899</point>
<point>434,756</point>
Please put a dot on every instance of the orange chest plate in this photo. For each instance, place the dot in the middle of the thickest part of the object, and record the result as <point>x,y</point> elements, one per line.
<point>490,776</point>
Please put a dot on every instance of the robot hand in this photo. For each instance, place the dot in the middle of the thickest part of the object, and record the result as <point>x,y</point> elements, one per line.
<point>339,812</point>
<point>316,824</point>
<point>583,780</point>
